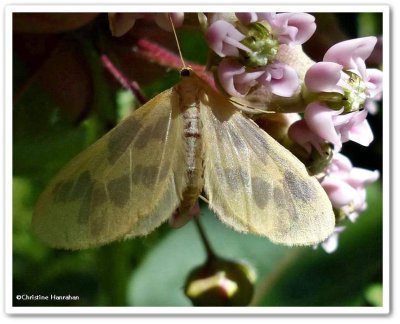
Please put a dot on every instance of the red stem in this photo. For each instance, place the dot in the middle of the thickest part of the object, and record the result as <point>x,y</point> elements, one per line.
<point>164,57</point>
<point>123,80</point>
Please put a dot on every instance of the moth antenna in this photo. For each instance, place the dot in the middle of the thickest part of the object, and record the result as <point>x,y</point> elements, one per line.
<point>177,41</point>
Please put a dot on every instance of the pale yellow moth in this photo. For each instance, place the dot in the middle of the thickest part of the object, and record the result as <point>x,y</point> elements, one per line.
<point>161,157</point>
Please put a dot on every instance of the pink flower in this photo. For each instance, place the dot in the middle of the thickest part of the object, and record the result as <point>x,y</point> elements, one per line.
<point>300,133</point>
<point>247,17</point>
<point>346,186</point>
<point>374,83</point>
<point>320,120</point>
<point>335,128</point>
<point>278,78</point>
<point>326,77</point>
<point>224,39</point>
<point>333,74</point>
<point>292,28</point>
<point>351,54</point>
<point>340,193</point>
<point>354,127</point>
<point>331,244</point>
<point>234,78</point>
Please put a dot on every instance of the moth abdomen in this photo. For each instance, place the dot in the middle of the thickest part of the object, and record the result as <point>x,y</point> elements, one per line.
<point>193,143</point>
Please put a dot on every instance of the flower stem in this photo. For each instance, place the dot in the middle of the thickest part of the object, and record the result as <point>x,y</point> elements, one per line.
<point>123,80</point>
<point>210,252</point>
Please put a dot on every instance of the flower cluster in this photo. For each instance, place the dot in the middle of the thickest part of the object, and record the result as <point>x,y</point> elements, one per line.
<point>340,92</point>
<point>336,95</point>
<point>249,48</point>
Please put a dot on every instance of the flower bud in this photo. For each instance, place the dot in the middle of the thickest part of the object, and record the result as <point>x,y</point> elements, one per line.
<point>318,161</point>
<point>263,46</point>
<point>220,282</point>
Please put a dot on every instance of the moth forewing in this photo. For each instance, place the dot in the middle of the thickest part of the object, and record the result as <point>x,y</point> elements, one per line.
<point>255,185</point>
<point>125,184</point>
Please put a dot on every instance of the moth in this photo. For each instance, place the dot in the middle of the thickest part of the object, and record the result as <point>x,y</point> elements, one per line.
<point>187,139</point>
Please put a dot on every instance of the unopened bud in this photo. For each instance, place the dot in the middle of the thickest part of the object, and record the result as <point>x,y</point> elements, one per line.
<point>221,282</point>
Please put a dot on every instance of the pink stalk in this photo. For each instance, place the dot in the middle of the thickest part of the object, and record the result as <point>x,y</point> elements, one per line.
<point>123,80</point>
<point>164,57</point>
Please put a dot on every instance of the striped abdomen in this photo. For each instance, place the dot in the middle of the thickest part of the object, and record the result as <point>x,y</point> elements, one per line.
<point>190,107</point>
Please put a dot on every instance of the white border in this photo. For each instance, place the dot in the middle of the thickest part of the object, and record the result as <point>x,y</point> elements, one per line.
<point>182,6</point>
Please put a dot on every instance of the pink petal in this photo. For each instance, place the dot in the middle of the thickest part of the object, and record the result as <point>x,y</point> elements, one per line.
<point>354,127</point>
<point>302,135</point>
<point>360,178</point>
<point>339,192</point>
<point>351,53</point>
<point>331,244</point>
<point>227,69</point>
<point>324,77</point>
<point>371,106</point>
<point>284,80</point>
<point>224,39</point>
<point>246,17</point>
<point>319,119</point>
<point>340,165</point>
<point>234,78</point>
<point>374,84</point>
<point>293,28</point>
<point>361,134</point>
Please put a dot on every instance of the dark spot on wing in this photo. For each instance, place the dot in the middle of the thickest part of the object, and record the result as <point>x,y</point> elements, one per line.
<point>82,191</point>
<point>84,209</point>
<point>97,224</point>
<point>121,137</point>
<point>137,173</point>
<point>81,186</point>
<point>62,190</point>
<point>163,172</point>
<point>288,216</point>
<point>261,191</point>
<point>298,187</point>
<point>147,175</point>
<point>98,213</point>
<point>279,197</point>
<point>99,196</point>
<point>119,190</point>
<point>143,137</point>
<point>154,131</point>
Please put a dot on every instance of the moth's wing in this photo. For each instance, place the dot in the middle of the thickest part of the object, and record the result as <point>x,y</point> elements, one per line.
<point>256,185</point>
<point>125,184</point>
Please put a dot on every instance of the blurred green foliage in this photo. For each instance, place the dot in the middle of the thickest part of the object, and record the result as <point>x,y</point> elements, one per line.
<point>152,270</point>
